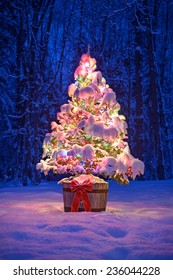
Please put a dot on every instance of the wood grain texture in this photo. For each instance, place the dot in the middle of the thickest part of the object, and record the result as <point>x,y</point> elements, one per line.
<point>98,197</point>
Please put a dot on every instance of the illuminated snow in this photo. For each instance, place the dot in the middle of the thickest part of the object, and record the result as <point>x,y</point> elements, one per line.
<point>138,224</point>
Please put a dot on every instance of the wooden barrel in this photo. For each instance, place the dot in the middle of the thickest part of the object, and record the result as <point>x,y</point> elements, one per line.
<point>97,197</point>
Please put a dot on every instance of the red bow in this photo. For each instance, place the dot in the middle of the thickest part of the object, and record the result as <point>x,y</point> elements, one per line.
<point>80,190</point>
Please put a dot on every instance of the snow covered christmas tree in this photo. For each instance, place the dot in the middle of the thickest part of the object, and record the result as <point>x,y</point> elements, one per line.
<point>90,135</point>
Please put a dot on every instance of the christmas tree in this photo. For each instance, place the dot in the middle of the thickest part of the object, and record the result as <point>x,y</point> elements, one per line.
<point>90,136</point>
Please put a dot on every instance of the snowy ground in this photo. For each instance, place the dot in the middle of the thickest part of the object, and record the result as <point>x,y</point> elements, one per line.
<point>138,224</point>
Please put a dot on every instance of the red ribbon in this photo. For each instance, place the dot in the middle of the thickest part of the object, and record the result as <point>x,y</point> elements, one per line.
<point>80,190</point>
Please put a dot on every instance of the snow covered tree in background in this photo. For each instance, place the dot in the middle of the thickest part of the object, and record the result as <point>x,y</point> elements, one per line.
<point>90,136</point>
<point>134,41</point>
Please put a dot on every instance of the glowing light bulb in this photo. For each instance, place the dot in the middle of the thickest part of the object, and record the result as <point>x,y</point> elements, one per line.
<point>87,65</point>
<point>78,155</point>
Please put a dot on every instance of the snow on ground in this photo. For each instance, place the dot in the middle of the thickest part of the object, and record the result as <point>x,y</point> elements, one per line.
<point>138,224</point>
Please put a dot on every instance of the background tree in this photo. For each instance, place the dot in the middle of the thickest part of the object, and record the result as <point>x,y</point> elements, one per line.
<point>40,40</point>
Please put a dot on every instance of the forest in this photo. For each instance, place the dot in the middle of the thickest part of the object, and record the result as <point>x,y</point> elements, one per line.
<point>41,45</point>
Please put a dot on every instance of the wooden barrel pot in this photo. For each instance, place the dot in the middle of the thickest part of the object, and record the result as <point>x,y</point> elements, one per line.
<point>97,197</point>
